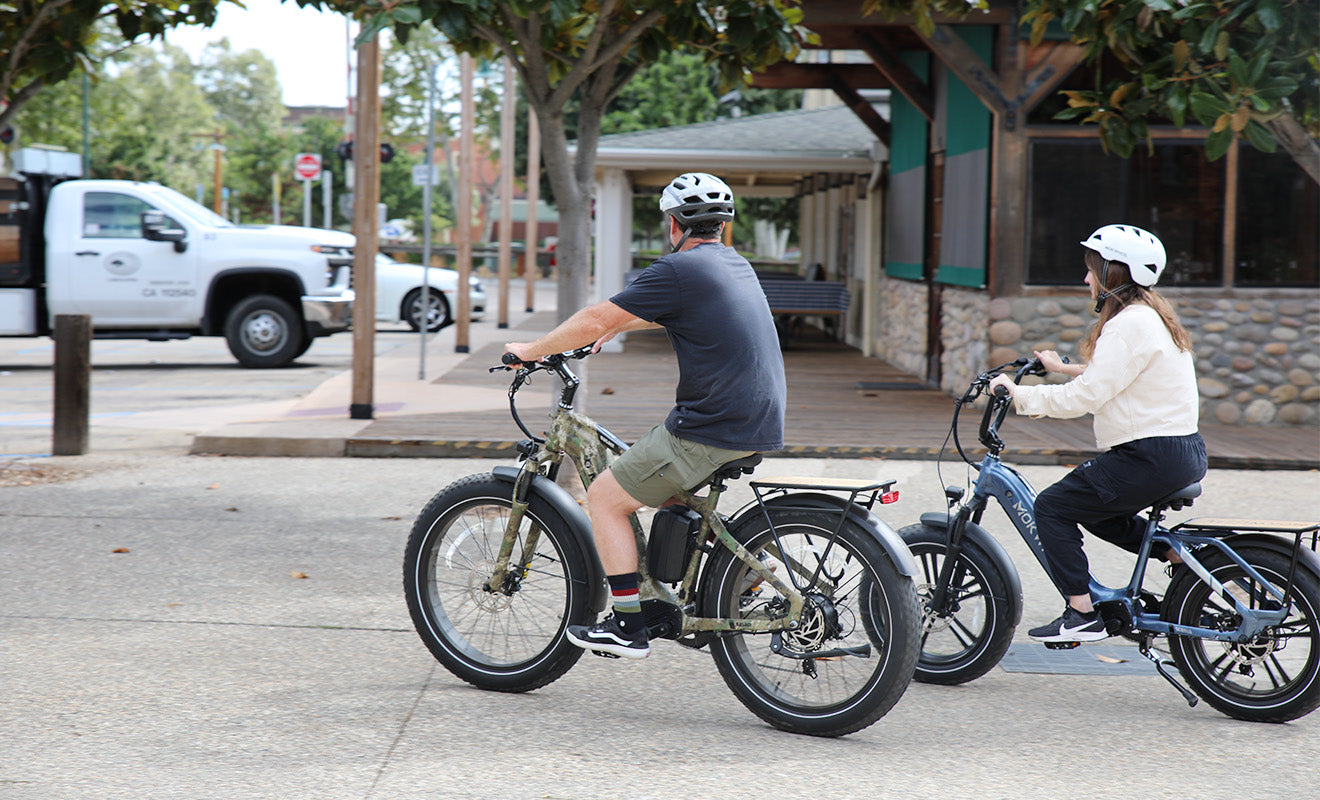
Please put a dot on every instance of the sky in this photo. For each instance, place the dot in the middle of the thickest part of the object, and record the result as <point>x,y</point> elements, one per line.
<point>309,47</point>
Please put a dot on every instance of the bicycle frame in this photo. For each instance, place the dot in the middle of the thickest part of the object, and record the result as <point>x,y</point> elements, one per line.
<point>1018,499</point>
<point>592,448</point>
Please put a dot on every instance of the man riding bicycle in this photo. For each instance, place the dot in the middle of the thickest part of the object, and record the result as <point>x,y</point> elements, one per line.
<point>730,398</point>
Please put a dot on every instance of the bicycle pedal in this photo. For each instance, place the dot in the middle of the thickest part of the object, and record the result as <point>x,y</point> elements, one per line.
<point>604,654</point>
<point>1055,645</point>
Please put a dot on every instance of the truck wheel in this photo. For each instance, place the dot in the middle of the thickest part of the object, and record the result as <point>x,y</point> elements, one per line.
<point>264,331</point>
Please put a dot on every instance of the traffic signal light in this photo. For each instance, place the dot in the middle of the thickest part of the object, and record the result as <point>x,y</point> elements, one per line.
<point>6,134</point>
<point>345,151</point>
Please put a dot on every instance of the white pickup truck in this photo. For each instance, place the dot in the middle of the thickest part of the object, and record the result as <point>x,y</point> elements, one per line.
<point>146,262</point>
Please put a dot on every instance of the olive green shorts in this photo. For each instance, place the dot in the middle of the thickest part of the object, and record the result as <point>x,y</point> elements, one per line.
<point>660,465</point>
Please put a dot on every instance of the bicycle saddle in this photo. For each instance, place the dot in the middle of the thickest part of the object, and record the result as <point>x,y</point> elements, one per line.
<point>1179,499</point>
<point>733,469</point>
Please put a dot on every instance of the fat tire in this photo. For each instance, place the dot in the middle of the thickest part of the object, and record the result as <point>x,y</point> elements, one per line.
<point>408,315</point>
<point>1296,683</point>
<point>988,605</point>
<point>887,616</point>
<point>264,331</point>
<point>472,632</point>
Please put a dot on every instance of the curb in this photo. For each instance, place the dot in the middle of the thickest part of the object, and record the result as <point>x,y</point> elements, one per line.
<point>389,447</point>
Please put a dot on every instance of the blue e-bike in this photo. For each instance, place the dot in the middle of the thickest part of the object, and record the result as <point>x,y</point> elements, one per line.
<point>1241,614</point>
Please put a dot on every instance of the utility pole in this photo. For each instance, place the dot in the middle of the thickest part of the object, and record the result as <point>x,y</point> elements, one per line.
<point>366,194</point>
<point>218,148</point>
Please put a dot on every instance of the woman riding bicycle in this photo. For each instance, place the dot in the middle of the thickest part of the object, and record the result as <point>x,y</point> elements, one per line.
<point>1140,385</point>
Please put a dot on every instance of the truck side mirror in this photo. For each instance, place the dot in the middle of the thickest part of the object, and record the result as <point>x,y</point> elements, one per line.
<point>153,229</point>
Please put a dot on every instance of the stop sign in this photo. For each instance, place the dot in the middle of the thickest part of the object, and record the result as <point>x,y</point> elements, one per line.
<point>307,166</point>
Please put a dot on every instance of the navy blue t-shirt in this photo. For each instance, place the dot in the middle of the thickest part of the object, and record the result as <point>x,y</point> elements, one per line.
<point>731,390</point>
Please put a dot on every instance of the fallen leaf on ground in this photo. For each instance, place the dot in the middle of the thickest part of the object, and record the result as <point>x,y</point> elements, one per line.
<point>214,486</point>
<point>121,550</point>
<point>299,575</point>
<point>1112,660</point>
<point>607,390</point>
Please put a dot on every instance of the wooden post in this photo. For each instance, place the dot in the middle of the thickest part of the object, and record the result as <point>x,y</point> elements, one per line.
<point>366,194</point>
<point>506,192</point>
<point>530,234</point>
<point>73,380</point>
<point>463,314</point>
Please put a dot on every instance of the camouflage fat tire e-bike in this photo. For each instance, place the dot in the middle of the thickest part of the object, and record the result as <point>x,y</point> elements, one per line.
<point>805,599</point>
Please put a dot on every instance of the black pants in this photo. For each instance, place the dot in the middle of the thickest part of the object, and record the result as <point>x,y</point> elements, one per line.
<point>1103,495</point>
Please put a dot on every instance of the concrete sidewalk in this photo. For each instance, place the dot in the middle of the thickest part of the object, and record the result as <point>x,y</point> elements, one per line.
<point>841,405</point>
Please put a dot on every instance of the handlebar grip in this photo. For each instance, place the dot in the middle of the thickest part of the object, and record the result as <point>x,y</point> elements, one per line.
<point>1001,391</point>
<point>510,359</point>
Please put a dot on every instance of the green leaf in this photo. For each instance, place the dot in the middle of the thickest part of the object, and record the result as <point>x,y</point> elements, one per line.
<point>1217,143</point>
<point>1207,108</point>
<point>1260,137</point>
<point>1176,104</point>
<point>1237,70</point>
<point>1271,18</point>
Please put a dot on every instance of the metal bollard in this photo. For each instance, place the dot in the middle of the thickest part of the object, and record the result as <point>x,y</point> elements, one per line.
<point>73,380</point>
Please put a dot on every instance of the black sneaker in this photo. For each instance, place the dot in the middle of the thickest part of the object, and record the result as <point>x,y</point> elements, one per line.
<point>1073,626</point>
<point>607,637</point>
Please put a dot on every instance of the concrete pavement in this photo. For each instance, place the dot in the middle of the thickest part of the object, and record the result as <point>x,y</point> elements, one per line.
<point>234,628</point>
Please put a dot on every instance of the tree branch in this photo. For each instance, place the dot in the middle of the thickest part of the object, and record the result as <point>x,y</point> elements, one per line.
<point>25,43</point>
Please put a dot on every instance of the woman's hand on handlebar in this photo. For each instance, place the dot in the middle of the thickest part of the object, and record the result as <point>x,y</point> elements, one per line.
<point>1004,381</point>
<point>1053,362</point>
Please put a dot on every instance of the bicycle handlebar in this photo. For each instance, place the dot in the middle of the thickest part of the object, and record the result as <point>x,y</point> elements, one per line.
<point>556,363</point>
<point>997,408</point>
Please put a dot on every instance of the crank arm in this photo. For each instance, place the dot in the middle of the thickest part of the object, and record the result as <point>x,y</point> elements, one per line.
<point>777,647</point>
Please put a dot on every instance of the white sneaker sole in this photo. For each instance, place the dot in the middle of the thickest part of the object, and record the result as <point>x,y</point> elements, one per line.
<point>1072,636</point>
<point>622,651</point>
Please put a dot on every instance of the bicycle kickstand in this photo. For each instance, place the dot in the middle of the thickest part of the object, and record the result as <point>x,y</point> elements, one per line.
<point>1160,667</point>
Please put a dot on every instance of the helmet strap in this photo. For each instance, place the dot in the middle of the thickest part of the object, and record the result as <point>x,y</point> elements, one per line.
<point>682,241</point>
<point>1105,295</point>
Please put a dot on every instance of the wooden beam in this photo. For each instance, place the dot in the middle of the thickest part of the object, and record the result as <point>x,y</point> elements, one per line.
<point>963,61</point>
<point>861,108</point>
<point>908,84</point>
<point>1048,73</point>
<point>793,75</point>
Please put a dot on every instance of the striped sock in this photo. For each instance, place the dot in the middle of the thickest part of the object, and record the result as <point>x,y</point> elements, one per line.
<point>627,602</point>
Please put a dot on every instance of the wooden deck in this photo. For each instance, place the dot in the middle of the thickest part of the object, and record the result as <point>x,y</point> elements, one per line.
<point>840,404</point>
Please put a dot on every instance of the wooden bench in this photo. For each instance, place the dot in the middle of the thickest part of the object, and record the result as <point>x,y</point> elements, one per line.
<point>793,298</point>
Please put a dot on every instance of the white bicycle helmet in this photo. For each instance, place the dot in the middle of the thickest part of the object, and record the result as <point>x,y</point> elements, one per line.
<point>694,198</point>
<point>1140,250</point>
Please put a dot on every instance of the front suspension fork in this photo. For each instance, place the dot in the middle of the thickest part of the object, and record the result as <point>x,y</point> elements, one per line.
<point>941,597</point>
<point>498,582</point>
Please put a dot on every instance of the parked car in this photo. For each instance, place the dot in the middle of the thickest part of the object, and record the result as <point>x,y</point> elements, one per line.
<point>399,294</point>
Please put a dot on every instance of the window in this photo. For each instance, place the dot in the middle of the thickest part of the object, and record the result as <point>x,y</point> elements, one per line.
<point>1278,238</point>
<point>1186,201</point>
<point>108,215</point>
<point>1076,188</point>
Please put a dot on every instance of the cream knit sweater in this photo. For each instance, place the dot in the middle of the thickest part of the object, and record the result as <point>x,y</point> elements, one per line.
<point>1137,384</point>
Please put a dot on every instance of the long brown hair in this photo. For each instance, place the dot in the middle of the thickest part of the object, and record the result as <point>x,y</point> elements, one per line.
<point>1110,280</point>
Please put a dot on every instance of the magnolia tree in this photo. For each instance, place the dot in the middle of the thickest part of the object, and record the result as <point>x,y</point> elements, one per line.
<point>42,42</point>
<point>588,50</point>
<point>1248,70</point>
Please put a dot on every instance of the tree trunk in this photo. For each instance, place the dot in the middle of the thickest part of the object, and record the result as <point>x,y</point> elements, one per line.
<point>572,180</point>
<point>1293,138</point>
